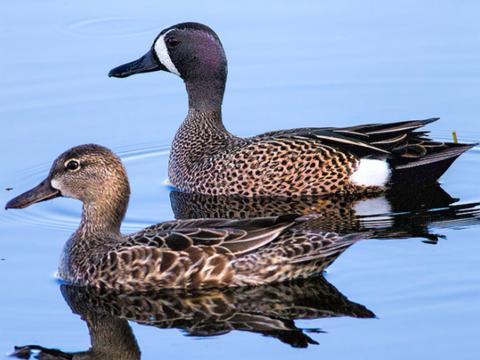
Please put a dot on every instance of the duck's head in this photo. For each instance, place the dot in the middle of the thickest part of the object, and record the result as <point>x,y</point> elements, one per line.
<point>189,50</point>
<point>192,51</point>
<point>90,173</point>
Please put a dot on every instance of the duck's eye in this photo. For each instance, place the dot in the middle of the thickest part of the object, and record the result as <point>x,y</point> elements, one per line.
<point>172,42</point>
<point>72,165</point>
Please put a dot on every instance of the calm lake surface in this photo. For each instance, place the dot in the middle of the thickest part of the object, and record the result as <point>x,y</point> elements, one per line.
<point>291,64</point>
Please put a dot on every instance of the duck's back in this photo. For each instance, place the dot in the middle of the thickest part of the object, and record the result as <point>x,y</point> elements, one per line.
<point>206,253</point>
<point>207,159</point>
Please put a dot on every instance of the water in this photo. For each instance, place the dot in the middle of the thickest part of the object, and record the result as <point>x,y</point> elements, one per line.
<point>290,64</point>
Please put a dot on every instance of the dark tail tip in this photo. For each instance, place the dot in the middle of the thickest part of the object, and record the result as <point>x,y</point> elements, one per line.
<point>427,170</point>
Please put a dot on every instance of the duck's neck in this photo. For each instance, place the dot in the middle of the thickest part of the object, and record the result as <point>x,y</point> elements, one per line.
<point>98,232</point>
<point>206,94</point>
<point>96,221</point>
<point>104,216</point>
<point>202,133</point>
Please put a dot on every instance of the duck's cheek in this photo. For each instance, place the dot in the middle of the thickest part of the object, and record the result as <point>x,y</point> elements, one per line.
<point>57,185</point>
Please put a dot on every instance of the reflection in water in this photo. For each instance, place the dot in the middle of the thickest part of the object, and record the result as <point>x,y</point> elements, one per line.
<point>400,214</point>
<point>266,310</point>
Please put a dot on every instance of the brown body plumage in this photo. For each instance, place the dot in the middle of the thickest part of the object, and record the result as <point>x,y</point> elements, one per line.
<point>189,254</point>
<point>202,254</point>
<point>207,159</point>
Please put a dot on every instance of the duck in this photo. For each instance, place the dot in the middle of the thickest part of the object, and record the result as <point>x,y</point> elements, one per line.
<point>206,158</point>
<point>178,254</point>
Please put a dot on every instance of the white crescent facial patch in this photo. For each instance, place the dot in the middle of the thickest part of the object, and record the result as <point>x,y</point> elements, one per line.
<point>163,55</point>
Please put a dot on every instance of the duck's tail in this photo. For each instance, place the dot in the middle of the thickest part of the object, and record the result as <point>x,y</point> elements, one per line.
<point>427,169</point>
<point>415,158</point>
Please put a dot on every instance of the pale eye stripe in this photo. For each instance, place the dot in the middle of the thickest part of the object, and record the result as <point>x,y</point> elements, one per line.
<point>163,55</point>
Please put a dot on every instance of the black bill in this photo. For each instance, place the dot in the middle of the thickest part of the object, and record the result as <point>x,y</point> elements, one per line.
<point>146,63</point>
<point>41,192</point>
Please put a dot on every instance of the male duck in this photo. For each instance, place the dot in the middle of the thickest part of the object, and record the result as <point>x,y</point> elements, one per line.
<point>175,254</point>
<point>207,159</point>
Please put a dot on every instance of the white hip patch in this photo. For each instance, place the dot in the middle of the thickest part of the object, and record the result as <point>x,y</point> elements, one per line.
<point>163,55</point>
<point>371,172</point>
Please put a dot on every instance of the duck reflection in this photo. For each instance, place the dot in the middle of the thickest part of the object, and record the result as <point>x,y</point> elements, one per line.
<point>403,213</point>
<point>266,310</point>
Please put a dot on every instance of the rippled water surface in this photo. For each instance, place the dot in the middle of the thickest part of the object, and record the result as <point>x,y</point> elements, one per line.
<point>291,64</point>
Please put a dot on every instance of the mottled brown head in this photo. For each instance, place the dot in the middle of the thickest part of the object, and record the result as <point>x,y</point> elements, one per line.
<point>90,173</point>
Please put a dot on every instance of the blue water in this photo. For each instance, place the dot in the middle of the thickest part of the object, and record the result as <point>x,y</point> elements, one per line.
<point>291,64</point>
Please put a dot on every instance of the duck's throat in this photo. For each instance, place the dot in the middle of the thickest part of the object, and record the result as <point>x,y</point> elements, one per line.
<point>205,94</point>
<point>103,217</point>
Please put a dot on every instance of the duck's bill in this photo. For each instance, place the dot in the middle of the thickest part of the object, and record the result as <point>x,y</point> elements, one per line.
<point>41,192</point>
<point>146,63</point>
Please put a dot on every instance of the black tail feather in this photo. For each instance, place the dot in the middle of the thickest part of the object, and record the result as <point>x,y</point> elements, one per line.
<point>426,170</point>
<point>391,128</point>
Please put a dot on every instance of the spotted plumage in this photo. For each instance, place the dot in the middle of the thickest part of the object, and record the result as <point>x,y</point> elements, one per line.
<point>207,159</point>
<point>191,254</point>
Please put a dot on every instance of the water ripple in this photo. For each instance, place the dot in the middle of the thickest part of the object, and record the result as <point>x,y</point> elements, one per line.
<point>111,26</point>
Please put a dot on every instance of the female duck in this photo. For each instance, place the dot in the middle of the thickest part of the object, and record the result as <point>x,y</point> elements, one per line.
<point>207,159</point>
<point>175,254</point>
